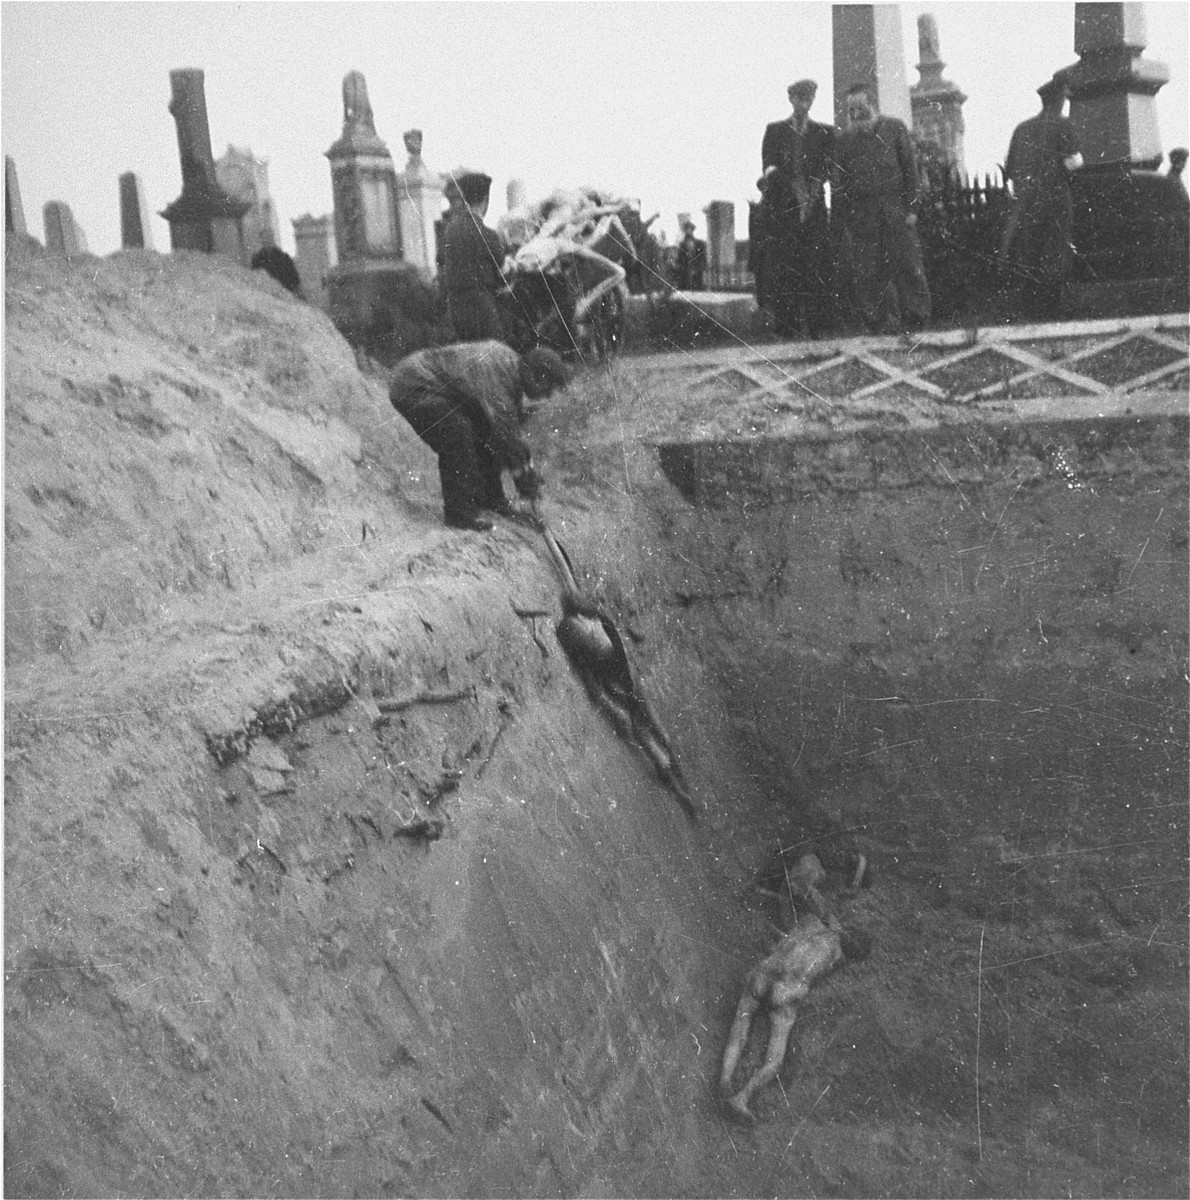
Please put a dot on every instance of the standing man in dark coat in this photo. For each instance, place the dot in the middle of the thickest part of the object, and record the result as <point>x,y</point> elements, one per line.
<point>1177,164</point>
<point>472,258</point>
<point>1042,154</point>
<point>691,260</point>
<point>465,402</point>
<point>876,192</point>
<point>795,157</point>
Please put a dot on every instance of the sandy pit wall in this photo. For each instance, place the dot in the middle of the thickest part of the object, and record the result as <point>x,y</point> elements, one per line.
<point>323,877</point>
<point>321,874</point>
<point>962,650</point>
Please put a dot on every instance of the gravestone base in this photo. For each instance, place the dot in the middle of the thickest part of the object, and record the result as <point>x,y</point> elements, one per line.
<point>693,320</point>
<point>223,236</point>
<point>1127,297</point>
<point>385,308</point>
<point>1126,226</point>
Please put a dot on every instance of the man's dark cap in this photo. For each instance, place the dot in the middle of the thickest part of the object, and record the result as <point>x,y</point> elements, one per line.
<point>803,87</point>
<point>545,368</point>
<point>475,187</point>
<point>1052,89</point>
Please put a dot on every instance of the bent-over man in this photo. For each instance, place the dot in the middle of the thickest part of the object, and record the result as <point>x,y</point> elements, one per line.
<point>877,193</point>
<point>465,401</point>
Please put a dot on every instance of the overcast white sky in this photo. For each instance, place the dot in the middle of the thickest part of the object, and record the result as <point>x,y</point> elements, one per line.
<point>665,102</point>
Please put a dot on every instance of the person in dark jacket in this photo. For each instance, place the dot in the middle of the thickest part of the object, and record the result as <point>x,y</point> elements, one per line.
<point>472,258</point>
<point>275,262</point>
<point>465,401</point>
<point>1177,164</point>
<point>1041,155</point>
<point>875,188</point>
<point>796,156</point>
<point>691,260</point>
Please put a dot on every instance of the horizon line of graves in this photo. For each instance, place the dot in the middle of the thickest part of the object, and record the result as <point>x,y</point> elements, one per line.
<point>383,219</point>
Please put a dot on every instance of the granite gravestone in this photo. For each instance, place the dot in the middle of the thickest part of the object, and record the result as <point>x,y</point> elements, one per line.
<point>135,232</point>
<point>868,48</point>
<point>204,217</point>
<point>14,210</point>
<point>63,236</point>
<point>419,202</point>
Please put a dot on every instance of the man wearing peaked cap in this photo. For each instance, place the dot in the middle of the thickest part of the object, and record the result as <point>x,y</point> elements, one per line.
<point>1042,155</point>
<point>795,154</point>
<point>472,257</point>
<point>1053,90</point>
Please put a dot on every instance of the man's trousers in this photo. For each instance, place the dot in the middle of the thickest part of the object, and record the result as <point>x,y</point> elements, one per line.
<point>468,465</point>
<point>883,260</point>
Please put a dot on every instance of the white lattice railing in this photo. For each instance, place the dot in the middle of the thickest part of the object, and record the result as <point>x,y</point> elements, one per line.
<point>934,376</point>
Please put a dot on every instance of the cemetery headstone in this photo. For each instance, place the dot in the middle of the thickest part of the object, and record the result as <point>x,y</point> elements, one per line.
<point>14,210</point>
<point>63,237</point>
<point>1113,87</point>
<point>1122,220</point>
<point>519,222</point>
<point>363,182</point>
<point>314,239</point>
<point>135,231</point>
<point>419,203</point>
<point>242,175</point>
<point>720,215</point>
<point>205,217</point>
<point>937,103</point>
<point>378,301</point>
<point>868,48</point>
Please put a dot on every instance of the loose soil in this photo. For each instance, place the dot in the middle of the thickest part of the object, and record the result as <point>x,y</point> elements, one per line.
<point>324,878</point>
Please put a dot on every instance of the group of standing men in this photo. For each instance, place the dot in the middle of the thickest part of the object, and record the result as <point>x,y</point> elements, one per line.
<point>870,262</point>
<point>860,264</point>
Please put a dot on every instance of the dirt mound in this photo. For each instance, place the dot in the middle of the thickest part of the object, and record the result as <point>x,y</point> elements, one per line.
<point>315,849</point>
<point>323,877</point>
<point>176,426</point>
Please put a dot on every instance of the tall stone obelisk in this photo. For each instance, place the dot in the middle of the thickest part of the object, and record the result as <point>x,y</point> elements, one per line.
<point>1113,87</point>
<point>1124,219</point>
<point>204,216</point>
<point>937,103</point>
<point>868,47</point>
